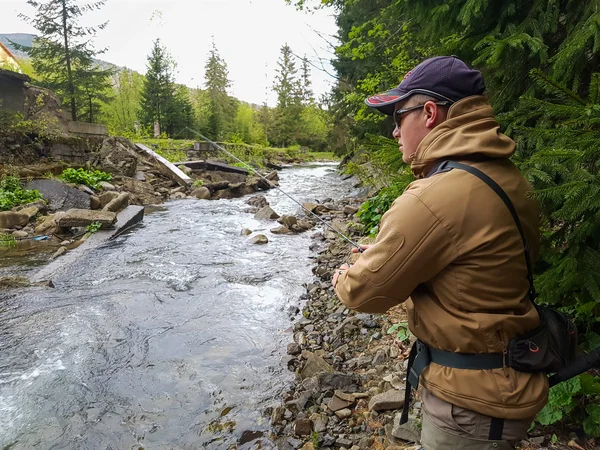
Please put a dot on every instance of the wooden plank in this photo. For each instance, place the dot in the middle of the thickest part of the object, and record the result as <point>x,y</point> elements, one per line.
<point>169,168</point>
<point>212,165</point>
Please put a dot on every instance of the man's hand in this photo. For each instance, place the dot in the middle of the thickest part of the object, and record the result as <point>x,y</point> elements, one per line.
<point>362,247</point>
<point>338,272</point>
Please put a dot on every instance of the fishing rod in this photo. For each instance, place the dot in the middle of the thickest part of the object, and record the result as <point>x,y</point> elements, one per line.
<point>247,166</point>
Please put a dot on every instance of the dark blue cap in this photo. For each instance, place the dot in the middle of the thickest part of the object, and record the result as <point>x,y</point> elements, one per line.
<point>444,77</point>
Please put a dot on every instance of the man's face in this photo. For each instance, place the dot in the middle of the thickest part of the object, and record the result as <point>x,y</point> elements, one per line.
<point>414,121</point>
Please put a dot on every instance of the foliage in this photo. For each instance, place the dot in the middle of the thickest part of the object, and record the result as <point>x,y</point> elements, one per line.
<point>90,178</point>
<point>289,98</point>
<point>175,150</point>
<point>401,330</point>
<point>371,211</point>
<point>198,183</point>
<point>13,194</point>
<point>122,111</point>
<point>7,240</point>
<point>63,55</point>
<point>93,227</point>
<point>222,107</point>
<point>583,392</point>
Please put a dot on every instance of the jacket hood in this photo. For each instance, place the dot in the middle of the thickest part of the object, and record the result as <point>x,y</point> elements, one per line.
<point>470,129</point>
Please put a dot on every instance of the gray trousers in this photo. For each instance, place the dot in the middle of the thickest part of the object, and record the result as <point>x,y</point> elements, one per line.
<point>446,427</point>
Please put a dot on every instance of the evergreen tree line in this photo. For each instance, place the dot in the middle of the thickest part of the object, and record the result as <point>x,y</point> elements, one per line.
<point>64,60</point>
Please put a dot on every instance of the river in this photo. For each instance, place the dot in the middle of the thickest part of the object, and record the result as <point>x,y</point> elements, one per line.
<point>169,337</point>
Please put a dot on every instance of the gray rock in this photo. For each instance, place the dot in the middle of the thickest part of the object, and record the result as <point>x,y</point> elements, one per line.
<point>320,422</point>
<point>350,210</point>
<point>178,196</point>
<point>95,203</point>
<point>106,186</point>
<point>392,399</point>
<point>328,441</point>
<point>61,251</point>
<point>85,217</point>
<point>295,443</point>
<point>117,156</point>
<point>337,404</point>
<point>12,219</point>
<point>266,213</point>
<point>59,196</point>
<point>118,204</point>
<point>379,358</point>
<point>344,442</point>
<point>303,427</point>
<point>343,413</point>
<point>288,221</point>
<point>19,234</point>
<point>294,349</point>
<point>258,201</point>
<point>407,432</point>
<point>277,415</point>
<point>201,193</point>
<point>246,232</point>
<point>313,366</point>
<point>338,381</point>
<point>107,197</point>
<point>281,230</point>
<point>259,239</point>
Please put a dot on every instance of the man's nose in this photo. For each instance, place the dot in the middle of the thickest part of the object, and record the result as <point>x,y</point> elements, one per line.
<point>396,133</point>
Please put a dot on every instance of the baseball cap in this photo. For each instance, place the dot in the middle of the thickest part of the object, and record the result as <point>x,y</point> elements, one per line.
<point>444,77</point>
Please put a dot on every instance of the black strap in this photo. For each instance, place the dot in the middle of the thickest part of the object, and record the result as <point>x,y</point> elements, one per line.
<point>446,166</point>
<point>496,429</point>
<point>474,361</point>
<point>408,388</point>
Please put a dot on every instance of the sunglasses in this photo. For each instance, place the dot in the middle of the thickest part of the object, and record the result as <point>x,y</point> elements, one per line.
<point>400,112</point>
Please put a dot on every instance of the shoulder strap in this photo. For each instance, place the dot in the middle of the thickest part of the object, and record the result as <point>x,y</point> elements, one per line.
<point>446,166</point>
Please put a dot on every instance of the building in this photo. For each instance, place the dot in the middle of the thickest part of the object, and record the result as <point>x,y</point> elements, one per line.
<point>8,60</point>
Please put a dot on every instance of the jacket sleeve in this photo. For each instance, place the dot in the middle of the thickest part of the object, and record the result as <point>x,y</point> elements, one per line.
<point>412,246</point>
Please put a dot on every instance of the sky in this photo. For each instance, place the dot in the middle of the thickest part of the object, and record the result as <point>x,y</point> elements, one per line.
<point>248,35</point>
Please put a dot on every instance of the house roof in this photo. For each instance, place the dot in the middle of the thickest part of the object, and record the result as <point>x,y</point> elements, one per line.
<point>8,52</point>
<point>14,76</point>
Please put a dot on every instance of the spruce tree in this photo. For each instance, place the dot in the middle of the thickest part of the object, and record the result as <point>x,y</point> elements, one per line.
<point>289,99</point>
<point>222,108</point>
<point>62,55</point>
<point>158,91</point>
<point>307,93</point>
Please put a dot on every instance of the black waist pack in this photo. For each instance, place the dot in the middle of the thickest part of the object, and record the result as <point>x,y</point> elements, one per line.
<point>553,344</point>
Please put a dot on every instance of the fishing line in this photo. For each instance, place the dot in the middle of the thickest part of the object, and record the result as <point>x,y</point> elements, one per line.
<point>247,166</point>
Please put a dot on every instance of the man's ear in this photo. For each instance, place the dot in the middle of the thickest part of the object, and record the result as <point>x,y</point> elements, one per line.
<point>431,114</point>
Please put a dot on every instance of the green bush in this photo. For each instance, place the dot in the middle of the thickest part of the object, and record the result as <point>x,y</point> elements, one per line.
<point>90,178</point>
<point>372,210</point>
<point>12,193</point>
<point>7,240</point>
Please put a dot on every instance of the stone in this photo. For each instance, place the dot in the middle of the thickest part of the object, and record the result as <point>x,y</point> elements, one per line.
<point>303,427</point>
<point>538,440</point>
<point>59,196</point>
<point>95,203</point>
<point>337,404</point>
<point>117,156</point>
<point>84,217</point>
<point>178,196</point>
<point>320,422</point>
<point>280,230</point>
<point>293,349</point>
<point>288,221</point>
<point>249,436</point>
<point>258,201</point>
<point>260,239</point>
<point>12,219</point>
<point>106,186</point>
<point>343,442</point>
<point>408,431</point>
<point>366,443</point>
<point>48,225</point>
<point>392,399</point>
<point>107,197</point>
<point>185,169</point>
<point>379,358</point>
<point>343,413</point>
<point>350,210</point>
<point>84,188</point>
<point>316,208</point>
<point>140,176</point>
<point>19,234</point>
<point>314,365</point>
<point>277,415</point>
<point>246,232</point>
<point>201,193</point>
<point>308,446</point>
<point>61,251</point>
<point>266,213</point>
<point>339,381</point>
<point>119,203</point>
<point>295,443</point>
<point>31,211</point>
<point>347,397</point>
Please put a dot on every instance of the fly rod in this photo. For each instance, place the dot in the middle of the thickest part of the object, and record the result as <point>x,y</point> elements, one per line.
<point>247,166</point>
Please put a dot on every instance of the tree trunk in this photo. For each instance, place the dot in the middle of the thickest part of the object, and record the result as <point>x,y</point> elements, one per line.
<point>71,85</point>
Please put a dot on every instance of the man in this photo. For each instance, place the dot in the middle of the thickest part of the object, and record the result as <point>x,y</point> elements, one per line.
<point>450,248</point>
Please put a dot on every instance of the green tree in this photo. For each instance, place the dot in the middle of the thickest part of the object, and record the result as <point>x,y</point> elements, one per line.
<point>158,91</point>
<point>221,106</point>
<point>122,111</point>
<point>308,97</point>
<point>63,55</point>
<point>289,99</point>
<point>94,91</point>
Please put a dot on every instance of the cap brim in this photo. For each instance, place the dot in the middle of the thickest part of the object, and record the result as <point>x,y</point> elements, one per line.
<point>385,102</point>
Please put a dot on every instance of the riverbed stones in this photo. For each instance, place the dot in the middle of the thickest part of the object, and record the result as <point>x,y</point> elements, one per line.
<point>408,431</point>
<point>280,230</point>
<point>259,239</point>
<point>258,201</point>
<point>313,366</point>
<point>303,427</point>
<point>294,349</point>
<point>19,234</point>
<point>201,193</point>
<point>12,219</point>
<point>59,196</point>
<point>119,203</point>
<point>83,218</point>
<point>61,251</point>
<point>337,402</point>
<point>350,210</point>
<point>392,399</point>
<point>106,186</point>
<point>117,156</point>
<point>266,213</point>
<point>316,208</point>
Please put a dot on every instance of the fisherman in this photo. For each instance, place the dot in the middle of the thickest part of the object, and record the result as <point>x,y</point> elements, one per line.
<point>449,248</point>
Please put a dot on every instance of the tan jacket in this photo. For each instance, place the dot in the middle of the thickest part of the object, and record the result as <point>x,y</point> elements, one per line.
<point>450,243</point>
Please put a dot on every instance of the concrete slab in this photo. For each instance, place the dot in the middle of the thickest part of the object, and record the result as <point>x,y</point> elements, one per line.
<point>126,219</point>
<point>169,168</point>
<point>212,165</point>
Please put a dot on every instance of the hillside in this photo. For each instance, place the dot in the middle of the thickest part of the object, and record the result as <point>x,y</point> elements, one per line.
<point>18,38</point>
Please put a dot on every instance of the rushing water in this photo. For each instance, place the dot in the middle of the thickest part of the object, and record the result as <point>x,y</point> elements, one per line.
<point>170,337</point>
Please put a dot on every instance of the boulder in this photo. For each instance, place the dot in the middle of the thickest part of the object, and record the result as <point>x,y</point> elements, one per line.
<point>19,234</point>
<point>246,232</point>
<point>143,192</point>
<point>48,225</point>
<point>106,186</point>
<point>280,230</point>
<point>260,239</point>
<point>201,193</point>
<point>107,197</point>
<point>31,211</point>
<point>339,381</point>
<point>288,221</point>
<point>392,399</point>
<point>303,427</point>
<point>223,193</point>
<point>95,203</point>
<point>84,217</point>
<point>313,366</point>
<point>12,219</point>
<point>316,208</point>
<point>350,210</point>
<point>266,213</point>
<point>118,204</point>
<point>117,156</point>
<point>178,196</point>
<point>258,201</point>
<point>59,196</point>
